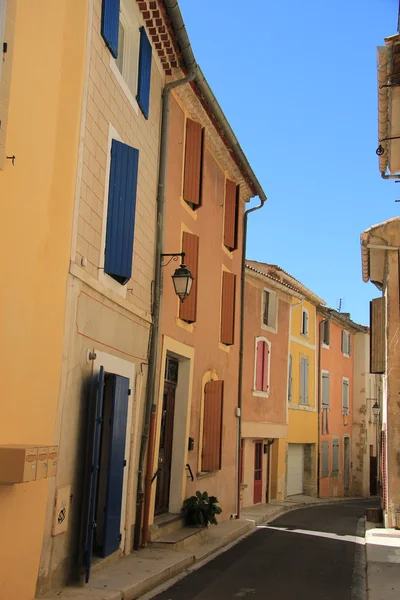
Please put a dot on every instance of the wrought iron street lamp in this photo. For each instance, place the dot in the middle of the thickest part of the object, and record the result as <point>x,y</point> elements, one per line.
<point>376,411</point>
<point>182,277</point>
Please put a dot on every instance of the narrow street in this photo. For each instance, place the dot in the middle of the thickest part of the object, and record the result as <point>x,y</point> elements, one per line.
<point>286,564</point>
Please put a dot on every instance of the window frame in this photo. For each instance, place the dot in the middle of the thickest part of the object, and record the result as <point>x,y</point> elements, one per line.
<point>325,323</point>
<point>257,392</point>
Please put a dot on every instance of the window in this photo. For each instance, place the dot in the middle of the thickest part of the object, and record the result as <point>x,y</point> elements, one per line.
<point>290,382</point>
<point>7,22</point>
<point>262,365</point>
<point>345,396</point>
<point>212,426</point>
<point>326,332</point>
<point>121,212</point>
<point>228,308</point>
<point>377,348</point>
<point>335,457</point>
<point>190,245</point>
<point>346,344</point>
<point>269,309</point>
<point>121,48</point>
<point>304,321</point>
<point>3,6</point>
<point>231,214</point>
<point>304,367</point>
<point>325,459</point>
<point>325,402</point>
<point>193,169</point>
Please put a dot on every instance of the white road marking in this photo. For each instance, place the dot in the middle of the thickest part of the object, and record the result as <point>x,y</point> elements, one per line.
<point>354,539</point>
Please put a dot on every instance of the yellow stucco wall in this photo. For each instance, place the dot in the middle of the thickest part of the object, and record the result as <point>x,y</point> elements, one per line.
<point>37,194</point>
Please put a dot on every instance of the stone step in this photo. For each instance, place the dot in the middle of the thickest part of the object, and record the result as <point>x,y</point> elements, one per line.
<point>184,539</point>
<point>165,524</point>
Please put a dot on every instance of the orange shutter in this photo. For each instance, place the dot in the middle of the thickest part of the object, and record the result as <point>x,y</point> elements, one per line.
<point>231,214</point>
<point>193,162</point>
<point>212,426</point>
<point>228,308</point>
<point>190,245</point>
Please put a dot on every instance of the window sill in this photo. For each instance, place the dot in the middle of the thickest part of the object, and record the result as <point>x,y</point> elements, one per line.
<point>304,335</point>
<point>123,85</point>
<point>228,252</point>
<point>190,211</point>
<point>260,394</point>
<point>269,328</point>
<point>346,355</point>
<point>224,347</point>
<point>325,346</point>
<point>305,407</point>
<point>183,325</point>
<point>205,474</point>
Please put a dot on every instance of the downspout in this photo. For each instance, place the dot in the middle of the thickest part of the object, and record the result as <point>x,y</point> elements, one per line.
<point>241,347</point>
<point>320,331</point>
<point>149,421</point>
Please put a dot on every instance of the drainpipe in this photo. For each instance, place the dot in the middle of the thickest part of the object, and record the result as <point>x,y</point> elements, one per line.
<point>320,330</point>
<point>241,346</point>
<point>149,421</point>
<point>395,176</point>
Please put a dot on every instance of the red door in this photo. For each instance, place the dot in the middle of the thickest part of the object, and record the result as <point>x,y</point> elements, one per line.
<point>258,448</point>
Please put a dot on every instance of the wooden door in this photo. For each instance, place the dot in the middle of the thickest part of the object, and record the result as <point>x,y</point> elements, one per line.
<point>165,449</point>
<point>258,454</point>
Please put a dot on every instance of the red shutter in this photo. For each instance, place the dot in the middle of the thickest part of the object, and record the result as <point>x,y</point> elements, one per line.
<point>193,162</point>
<point>265,367</point>
<point>259,365</point>
<point>228,308</point>
<point>231,214</point>
<point>212,426</point>
<point>190,245</point>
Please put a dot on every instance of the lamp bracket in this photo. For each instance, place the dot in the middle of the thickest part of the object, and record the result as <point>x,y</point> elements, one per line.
<point>173,256</point>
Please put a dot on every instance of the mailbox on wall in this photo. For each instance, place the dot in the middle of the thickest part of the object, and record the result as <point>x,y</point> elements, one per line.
<point>21,463</point>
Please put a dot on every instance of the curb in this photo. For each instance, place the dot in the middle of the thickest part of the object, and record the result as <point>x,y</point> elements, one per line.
<point>359,578</point>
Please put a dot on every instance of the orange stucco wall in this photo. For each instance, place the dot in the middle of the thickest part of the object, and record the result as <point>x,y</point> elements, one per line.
<point>203,336</point>
<point>338,365</point>
<point>38,194</point>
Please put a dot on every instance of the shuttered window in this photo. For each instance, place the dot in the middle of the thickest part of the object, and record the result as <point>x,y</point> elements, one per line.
<point>290,382</point>
<point>212,426</point>
<point>231,214</point>
<point>144,75</point>
<point>121,211</point>
<point>377,337</point>
<point>228,308</point>
<point>335,458</point>
<point>304,322</point>
<point>262,366</point>
<point>194,148</point>
<point>303,380</point>
<point>345,396</point>
<point>326,332</point>
<point>325,390</point>
<point>3,7</point>
<point>325,459</point>
<point>346,343</point>
<point>190,245</point>
<point>110,25</point>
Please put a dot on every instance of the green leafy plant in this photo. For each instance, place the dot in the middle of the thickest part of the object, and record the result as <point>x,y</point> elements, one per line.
<point>200,510</point>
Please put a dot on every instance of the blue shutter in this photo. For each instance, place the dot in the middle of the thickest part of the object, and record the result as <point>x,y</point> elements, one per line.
<point>121,211</point>
<point>110,25</point>
<point>116,464</point>
<point>94,474</point>
<point>143,94</point>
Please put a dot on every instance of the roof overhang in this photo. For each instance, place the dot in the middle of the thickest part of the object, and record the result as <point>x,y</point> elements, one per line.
<point>375,243</point>
<point>388,67</point>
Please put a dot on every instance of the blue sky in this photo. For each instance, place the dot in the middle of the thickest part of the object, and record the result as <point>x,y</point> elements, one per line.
<point>297,82</point>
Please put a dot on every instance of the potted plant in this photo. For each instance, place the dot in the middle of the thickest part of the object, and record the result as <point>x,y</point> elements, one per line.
<point>200,510</point>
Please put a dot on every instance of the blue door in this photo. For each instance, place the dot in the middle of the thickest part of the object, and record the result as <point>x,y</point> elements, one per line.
<point>116,462</point>
<point>94,474</point>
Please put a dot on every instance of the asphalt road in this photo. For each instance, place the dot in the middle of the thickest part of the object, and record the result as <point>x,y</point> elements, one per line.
<point>283,564</point>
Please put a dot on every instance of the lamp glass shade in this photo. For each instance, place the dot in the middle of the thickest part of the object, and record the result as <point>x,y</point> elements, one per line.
<point>183,281</point>
<point>376,409</point>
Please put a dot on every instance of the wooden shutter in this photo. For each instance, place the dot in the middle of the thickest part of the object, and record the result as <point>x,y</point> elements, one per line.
<point>290,386</point>
<point>144,74</point>
<point>335,457</point>
<point>259,365</point>
<point>193,162</point>
<point>377,336</point>
<point>302,362</point>
<point>121,211</point>
<point>110,25</point>
<point>325,390</point>
<point>228,308</point>
<point>326,337</point>
<point>190,245</point>
<point>345,396</point>
<point>212,426</point>
<point>325,459</point>
<point>265,381</point>
<point>231,214</point>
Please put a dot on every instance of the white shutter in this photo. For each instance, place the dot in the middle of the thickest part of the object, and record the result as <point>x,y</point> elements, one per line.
<point>325,390</point>
<point>302,362</point>
<point>3,6</point>
<point>345,396</point>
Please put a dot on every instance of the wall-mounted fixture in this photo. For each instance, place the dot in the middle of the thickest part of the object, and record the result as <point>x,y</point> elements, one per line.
<point>182,277</point>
